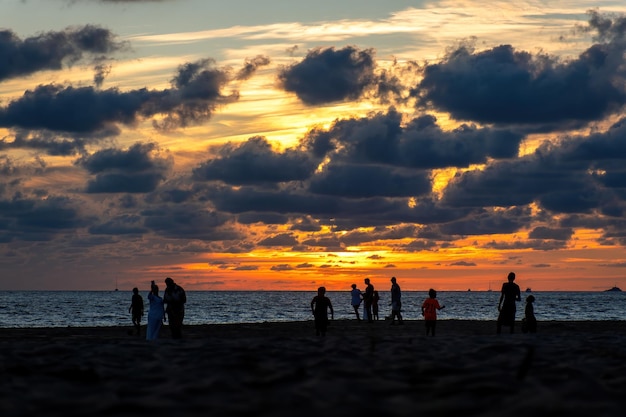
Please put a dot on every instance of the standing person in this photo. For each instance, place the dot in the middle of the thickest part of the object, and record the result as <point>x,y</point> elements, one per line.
<point>320,304</point>
<point>509,294</point>
<point>429,311</point>
<point>375,300</point>
<point>175,298</point>
<point>136,309</point>
<point>529,324</point>
<point>396,301</point>
<point>356,300</point>
<point>368,298</point>
<point>156,313</point>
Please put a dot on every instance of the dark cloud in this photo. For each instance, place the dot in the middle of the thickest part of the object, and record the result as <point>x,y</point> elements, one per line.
<point>561,233</point>
<point>189,221</point>
<point>357,181</point>
<point>254,161</point>
<point>383,138</point>
<point>50,144</point>
<point>135,170</point>
<point>462,263</point>
<point>120,225</point>
<point>329,75</point>
<point>52,50</point>
<point>577,175</point>
<point>533,244</point>
<point>283,239</point>
<point>489,221</point>
<point>503,85</point>
<point>195,93</point>
<point>22,218</point>
<point>250,66</point>
<point>282,267</point>
<point>348,213</point>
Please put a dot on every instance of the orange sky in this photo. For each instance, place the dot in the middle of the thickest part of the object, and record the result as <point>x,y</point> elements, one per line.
<point>259,148</point>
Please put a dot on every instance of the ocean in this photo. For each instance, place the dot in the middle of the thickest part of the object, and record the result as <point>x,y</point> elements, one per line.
<point>110,308</point>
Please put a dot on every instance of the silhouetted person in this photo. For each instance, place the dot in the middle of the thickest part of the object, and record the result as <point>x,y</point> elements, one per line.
<point>396,301</point>
<point>368,298</point>
<point>530,321</point>
<point>375,299</point>
<point>320,304</point>
<point>175,298</point>
<point>136,309</point>
<point>156,313</point>
<point>429,311</point>
<point>355,293</point>
<point>510,294</point>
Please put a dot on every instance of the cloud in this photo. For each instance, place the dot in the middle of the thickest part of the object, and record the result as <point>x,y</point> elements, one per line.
<point>48,143</point>
<point>561,233</point>
<point>255,162</point>
<point>135,170</point>
<point>283,239</point>
<point>38,219</point>
<point>196,92</point>
<point>330,75</point>
<point>53,50</point>
<point>507,86</point>
<point>578,175</point>
<point>358,181</point>
<point>463,263</point>
<point>383,138</point>
<point>250,66</point>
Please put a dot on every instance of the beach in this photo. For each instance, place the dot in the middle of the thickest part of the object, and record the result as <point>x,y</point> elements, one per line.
<point>283,369</point>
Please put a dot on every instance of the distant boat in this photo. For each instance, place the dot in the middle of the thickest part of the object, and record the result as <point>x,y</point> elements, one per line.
<point>614,289</point>
<point>529,290</point>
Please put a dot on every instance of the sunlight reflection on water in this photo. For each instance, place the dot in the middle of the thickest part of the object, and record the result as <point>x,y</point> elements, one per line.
<point>102,308</point>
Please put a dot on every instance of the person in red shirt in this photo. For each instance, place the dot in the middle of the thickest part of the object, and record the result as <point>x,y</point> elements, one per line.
<point>429,311</point>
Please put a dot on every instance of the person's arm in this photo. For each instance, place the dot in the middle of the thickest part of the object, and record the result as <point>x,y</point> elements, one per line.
<point>313,305</point>
<point>501,298</point>
<point>332,312</point>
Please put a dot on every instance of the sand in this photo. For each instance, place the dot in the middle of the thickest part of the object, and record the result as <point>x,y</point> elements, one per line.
<point>283,369</point>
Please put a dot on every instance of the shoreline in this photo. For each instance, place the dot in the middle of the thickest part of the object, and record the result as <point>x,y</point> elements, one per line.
<point>282,368</point>
<point>449,327</point>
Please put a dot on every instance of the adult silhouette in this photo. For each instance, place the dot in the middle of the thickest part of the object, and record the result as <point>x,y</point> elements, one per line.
<point>368,299</point>
<point>396,301</point>
<point>175,298</point>
<point>509,295</point>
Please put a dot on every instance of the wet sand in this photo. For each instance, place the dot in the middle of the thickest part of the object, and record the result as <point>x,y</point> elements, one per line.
<point>283,369</point>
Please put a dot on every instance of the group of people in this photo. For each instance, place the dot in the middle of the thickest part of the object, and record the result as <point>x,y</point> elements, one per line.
<point>370,299</point>
<point>510,295</point>
<point>172,306</point>
<point>169,307</point>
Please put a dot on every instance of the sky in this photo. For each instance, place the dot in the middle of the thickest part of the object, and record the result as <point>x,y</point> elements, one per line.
<point>286,145</point>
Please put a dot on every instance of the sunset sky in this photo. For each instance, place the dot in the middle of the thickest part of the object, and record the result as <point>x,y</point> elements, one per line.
<point>285,145</point>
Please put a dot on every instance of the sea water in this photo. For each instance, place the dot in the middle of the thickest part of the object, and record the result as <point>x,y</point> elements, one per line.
<point>110,308</point>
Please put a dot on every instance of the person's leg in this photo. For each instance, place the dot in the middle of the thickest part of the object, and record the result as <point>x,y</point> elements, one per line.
<point>434,326</point>
<point>176,325</point>
<point>368,308</point>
